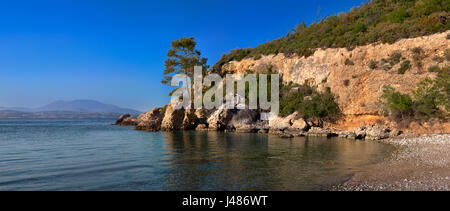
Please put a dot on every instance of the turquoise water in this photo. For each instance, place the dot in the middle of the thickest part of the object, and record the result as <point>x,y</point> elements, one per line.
<point>67,154</point>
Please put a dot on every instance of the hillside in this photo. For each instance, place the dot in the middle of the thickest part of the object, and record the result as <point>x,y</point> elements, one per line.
<point>67,109</point>
<point>385,21</point>
<point>357,86</point>
<point>88,106</point>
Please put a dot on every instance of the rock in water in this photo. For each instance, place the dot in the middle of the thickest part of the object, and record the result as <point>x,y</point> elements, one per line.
<point>150,121</point>
<point>127,120</point>
<point>122,118</point>
<point>173,118</point>
<point>220,118</point>
<point>190,120</point>
<point>201,127</point>
<point>283,123</point>
<point>299,124</point>
<point>244,120</point>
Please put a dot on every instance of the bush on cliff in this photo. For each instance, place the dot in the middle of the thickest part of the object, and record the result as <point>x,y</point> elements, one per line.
<point>397,104</point>
<point>307,101</point>
<point>430,99</point>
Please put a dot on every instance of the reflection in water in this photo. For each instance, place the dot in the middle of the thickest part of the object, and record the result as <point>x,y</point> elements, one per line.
<point>68,154</point>
<point>230,161</point>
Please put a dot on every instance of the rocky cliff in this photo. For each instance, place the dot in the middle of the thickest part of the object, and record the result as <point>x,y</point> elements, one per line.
<point>356,76</point>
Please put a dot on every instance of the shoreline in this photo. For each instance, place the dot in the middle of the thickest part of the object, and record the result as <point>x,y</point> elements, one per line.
<point>421,163</point>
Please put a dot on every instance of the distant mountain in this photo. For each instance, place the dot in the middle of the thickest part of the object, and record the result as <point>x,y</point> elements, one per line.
<point>87,106</point>
<point>16,109</point>
<point>68,109</point>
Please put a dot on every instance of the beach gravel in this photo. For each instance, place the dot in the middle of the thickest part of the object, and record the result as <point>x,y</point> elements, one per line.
<point>419,164</point>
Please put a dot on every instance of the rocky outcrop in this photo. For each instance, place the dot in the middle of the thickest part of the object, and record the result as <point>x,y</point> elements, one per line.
<point>291,122</point>
<point>190,120</point>
<point>328,68</point>
<point>374,132</point>
<point>173,118</point>
<point>299,124</point>
<point>321,132</point>
<point>127,120</point>
<point>150,121</point>
<point>201,127</point>
<point>244,121</point>
<point>357,86</point>
<point>220,118</point>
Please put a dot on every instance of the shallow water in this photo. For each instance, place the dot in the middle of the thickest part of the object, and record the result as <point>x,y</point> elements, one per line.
<point>67,154</point>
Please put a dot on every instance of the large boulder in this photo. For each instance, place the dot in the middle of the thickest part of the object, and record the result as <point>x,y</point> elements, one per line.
<point>299,124</point>
<point>173,118</point>
<point>203,115</point>
<point>244,120</point>
<point>190,120</point>
<point>127,120</point>
<point>318,131</point>
<point>201,127</point>
<point>281,123</point>
<point>291,122</point>
<point>375,132</point>
<point>220,118</point>
<point>372,132</point>
<point>150,121</point>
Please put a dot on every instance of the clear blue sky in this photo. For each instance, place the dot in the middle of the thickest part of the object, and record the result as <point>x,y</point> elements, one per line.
<point>114,50</point>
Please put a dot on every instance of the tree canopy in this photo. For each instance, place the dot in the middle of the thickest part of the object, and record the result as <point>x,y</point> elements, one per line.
<point>182,58</point>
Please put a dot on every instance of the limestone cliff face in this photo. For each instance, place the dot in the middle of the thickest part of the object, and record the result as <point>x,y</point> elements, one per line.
<point>357,86</point>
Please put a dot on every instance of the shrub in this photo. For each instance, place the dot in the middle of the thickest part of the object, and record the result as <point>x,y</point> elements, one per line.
<point>442,84</point>
<point>346,82</point>
<point>397,104</point>
<point>434,69</point>
<point>426,100</point>
<point>447,54</point>
<point>417,50</point>
<point>429,97</point>
<point>308,102</point>
<point>406,65</point>
<point>418,56</point>
<point>394,58</point>
<point>438,59</point>
<point>349,62</point>
<point>448,36</point>
<point>373,64</point>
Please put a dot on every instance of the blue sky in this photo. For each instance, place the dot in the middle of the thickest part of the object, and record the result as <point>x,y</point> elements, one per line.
<point>114,50</point>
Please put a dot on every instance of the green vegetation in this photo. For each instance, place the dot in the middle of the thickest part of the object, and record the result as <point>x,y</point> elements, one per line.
<point>418,56</point>
<point>349,62</point>
<point>394,58</point>
<point>378,20</point>
<point>438,59</point>
<point>307,101</point>
<point>399,105</point>
<point>346,82</point>
<point>373,64</point>
<point>447,54</point>
<point>406,65</point>
<point>434,69</point>
<point>428,98</point>
<point>182,58</point>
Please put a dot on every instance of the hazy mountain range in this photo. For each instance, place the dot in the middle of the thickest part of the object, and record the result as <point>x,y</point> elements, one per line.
<point>68,109</point>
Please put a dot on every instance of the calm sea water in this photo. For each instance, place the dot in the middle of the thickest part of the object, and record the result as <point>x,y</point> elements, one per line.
<point>67,154</point>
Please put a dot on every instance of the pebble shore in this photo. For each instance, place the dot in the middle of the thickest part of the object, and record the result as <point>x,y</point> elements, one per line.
<point>420,164</point>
